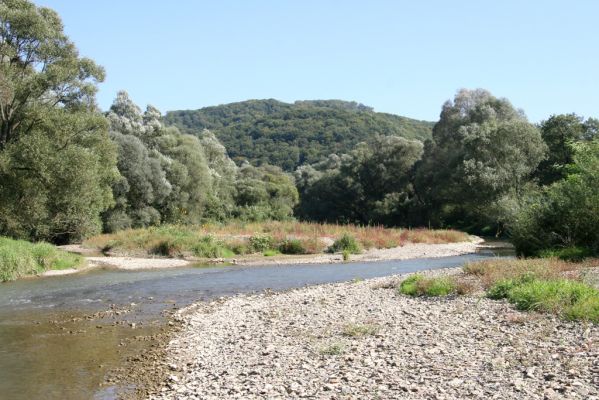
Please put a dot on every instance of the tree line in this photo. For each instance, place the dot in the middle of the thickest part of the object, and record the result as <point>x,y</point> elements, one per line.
<point>69,170</point>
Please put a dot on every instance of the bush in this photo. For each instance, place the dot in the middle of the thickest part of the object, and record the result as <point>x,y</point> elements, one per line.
<point>346,243</point>
<point>418,285</point>
<point>292,246</point>
<point>20,258</point>
<point>260,243</point>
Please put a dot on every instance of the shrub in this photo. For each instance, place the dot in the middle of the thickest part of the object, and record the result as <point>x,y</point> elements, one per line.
<point>260,243</point>
<point>418,285</point>
<point>292,246</point>
<point>346,243</point>
<point>271,252</point>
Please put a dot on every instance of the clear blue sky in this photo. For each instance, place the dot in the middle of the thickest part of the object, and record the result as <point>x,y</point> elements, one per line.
<point>403,57</point>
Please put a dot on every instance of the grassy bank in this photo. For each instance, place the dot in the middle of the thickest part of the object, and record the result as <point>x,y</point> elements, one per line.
<point>567,289</point>
<point>247,238</point>
<point>19,258</point>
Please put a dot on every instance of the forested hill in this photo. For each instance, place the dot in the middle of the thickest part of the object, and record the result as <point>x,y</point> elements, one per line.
<point>289,135</point>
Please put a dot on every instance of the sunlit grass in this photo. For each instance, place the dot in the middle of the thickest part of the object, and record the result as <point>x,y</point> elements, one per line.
<point>20,258</point>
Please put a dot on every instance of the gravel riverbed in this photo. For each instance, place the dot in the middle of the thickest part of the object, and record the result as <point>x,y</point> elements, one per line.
<point>362,340</point>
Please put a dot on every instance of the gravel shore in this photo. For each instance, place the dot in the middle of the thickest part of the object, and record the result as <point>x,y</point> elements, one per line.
<point>362,340</point>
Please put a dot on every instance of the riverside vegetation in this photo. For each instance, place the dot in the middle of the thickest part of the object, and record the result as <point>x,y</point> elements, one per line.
<point>69,171</point>
<point>568,289</point>
<point>290,237</point>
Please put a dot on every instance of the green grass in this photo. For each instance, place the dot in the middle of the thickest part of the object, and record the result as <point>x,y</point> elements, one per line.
<point>19,258</point>
<point>567,298</point>
<point>271,252</point>
<point>417,285</point>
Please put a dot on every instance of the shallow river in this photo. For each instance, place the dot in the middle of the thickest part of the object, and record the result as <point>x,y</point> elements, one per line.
<point>60,336</point>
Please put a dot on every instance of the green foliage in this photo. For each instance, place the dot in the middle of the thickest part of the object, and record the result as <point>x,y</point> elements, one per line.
<point>567,298</point>
<point>264,193</point>
<point>271,253</point>
<point>292,246</point>
<point>209,247</point>
<point>346,255</point>
<point>19,258</point>
<point>56,161</point>
<point>418,285</point>
<point>564,214</point>
<point>560,132</point>
<point>260,243</point>
<point>482,150</point>
<point>567,254</point>
<point>346,243</point>
<point>371,184</point>
<point>288,135</point>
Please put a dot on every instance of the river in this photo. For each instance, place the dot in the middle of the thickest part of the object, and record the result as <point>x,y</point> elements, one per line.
<point>60,336</point>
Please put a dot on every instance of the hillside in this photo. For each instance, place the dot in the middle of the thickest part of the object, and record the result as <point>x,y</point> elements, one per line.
<point>289,135</point>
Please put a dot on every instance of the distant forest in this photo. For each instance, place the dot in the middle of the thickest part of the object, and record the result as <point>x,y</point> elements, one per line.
<point>289,135</point>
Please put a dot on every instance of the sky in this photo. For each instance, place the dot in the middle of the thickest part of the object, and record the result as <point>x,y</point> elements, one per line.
<point>402,57</point>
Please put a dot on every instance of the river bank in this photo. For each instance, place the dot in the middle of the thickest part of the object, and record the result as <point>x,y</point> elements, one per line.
<point>363,340</point>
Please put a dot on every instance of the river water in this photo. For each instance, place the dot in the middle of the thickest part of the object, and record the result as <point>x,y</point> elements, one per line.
<point>59,336</point>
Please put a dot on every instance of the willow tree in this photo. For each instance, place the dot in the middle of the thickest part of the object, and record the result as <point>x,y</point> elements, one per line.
<point>56,160</point>
<point>482,149</point>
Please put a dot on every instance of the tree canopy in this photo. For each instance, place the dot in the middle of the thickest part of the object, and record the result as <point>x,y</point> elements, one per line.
<point>482,149</point>
<point>56,160</point>
<point>289,135</point>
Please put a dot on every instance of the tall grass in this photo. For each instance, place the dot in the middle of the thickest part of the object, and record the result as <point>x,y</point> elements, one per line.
<point>19,258</point>
<point>493,271</point>
<point>544,285</point>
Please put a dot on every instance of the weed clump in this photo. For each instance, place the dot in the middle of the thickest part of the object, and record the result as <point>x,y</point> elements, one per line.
<point>417,285</point>
<point>357,330</point>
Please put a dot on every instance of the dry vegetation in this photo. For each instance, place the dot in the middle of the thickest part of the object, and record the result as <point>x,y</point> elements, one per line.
<point>301,237</point>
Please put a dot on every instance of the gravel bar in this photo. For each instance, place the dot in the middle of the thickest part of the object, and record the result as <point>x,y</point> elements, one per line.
<point>362,340</point>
